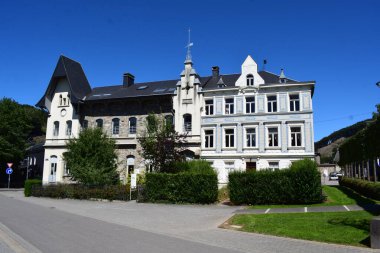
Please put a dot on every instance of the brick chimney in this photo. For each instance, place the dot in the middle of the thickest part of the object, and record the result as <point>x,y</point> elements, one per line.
<point>215,72</point>
<point>128,79</point>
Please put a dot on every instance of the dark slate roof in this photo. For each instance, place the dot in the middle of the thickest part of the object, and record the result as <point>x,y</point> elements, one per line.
<point>73,72</point>
<point>136,90</point>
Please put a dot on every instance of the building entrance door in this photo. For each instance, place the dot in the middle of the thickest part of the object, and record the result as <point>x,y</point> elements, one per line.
<point>53,169</point>
<point>250,166</point>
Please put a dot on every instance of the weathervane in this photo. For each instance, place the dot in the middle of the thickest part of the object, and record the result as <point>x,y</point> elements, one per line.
<point>189,45</point>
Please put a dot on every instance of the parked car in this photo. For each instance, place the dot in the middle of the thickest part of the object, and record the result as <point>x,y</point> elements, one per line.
<point>340,174</point>
<point>333,176</point>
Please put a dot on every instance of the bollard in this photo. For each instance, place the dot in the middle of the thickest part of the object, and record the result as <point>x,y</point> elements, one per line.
<point>375,233</point>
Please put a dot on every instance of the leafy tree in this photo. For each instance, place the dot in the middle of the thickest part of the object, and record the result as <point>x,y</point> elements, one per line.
<point>161,144</point>
<point>92,158</point>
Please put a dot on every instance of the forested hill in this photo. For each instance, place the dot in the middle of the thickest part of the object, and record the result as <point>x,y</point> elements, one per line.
<point>342,133</point>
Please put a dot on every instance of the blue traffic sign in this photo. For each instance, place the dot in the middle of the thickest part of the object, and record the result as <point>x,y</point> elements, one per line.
<point>9,171</point>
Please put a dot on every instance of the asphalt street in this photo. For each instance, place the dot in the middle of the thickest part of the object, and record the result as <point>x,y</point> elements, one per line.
<point>52,225</point>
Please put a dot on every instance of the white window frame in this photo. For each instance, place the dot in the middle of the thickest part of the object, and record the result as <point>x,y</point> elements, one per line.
<point>273,168</point>
<point>224,137</point>
<point>229,106</point>
<point>69,128</point>
<point>209,106</point>
<point>187,127</point>
<point>231,164</point>
<point>278,136</point>
<point>113,132</point>
<point>204,137</point>
<point>299,102</point>
<point>267,103</point>
<point>290,135</point>
<point>250,80</point>
<point>250,103</point>
<point>56,129</point>
<point>132,129</point>
<point>245,136</point>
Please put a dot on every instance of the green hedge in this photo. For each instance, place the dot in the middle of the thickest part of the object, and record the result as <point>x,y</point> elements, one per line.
<point>365,188</point>
<point>300,184</point>
<point>74,191</point>
<point>29,184</point>
<point>182,188</point>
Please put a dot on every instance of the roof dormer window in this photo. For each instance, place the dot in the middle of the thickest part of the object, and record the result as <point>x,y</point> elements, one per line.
<point>250,80</point>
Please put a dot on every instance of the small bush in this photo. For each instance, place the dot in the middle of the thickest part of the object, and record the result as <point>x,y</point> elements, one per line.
<point>196,182</point>
<point>74,191</point>
<point>300,184</point>
<point>365,188</point>
<point>29,184</point>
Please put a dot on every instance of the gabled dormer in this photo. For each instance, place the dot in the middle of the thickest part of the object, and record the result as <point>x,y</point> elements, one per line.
<point>77,87</point>
<point>249,74</point>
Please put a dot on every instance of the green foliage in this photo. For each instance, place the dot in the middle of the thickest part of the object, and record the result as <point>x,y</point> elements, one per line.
<point>196,183</point>
<point>366,188</point>
<point>193,166</point>
<point>17,124</point>
<point>363,145</point>
<point>161,144</point>
<point>92,159</point>
<point>29,185</point>
<point>76,191</point>
<point>300,184</point>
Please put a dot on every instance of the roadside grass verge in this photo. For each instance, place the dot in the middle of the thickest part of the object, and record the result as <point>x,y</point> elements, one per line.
<point>348,228</point>
<point>335,196</point>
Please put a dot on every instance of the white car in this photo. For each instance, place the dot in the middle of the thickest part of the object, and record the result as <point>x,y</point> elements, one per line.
<point>333,176</point>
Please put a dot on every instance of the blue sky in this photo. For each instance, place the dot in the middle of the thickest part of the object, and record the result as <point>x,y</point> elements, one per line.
<point>336,43</point>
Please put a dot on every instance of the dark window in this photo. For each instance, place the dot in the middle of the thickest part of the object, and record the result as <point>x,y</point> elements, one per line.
<point>115,126</point>
<point>250,80</point>
<point>56,128</point>
<point>272,103</point>
<point>273,137</point>
<point>295,136</point>
<point>99,123</point>
<point>294,102</point>
<point>209,107</point>
<point>68,127</point>
<point>187,122</point>
<point>250,104</point>
<point>251,137</point>
<point>230,138</point>
<point>209,138</point>
<point>132,125</point>
<point>229,106</point>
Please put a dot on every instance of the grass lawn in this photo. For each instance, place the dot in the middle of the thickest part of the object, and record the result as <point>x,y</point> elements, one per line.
<point>335,195</point>
<point>350,228</point>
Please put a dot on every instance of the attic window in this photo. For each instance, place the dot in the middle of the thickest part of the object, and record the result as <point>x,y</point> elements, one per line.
<point>250,80</point>
<point>159,90</point>
<point>142,87</point>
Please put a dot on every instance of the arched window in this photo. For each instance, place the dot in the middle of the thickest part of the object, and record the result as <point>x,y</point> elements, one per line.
<point>130,164</point>
<point>132,125</point>
<point>115,126</point>
<point>69,126</point>
<point>53,168</point>
<point>60,100</point>
<point>250,80</point>
<point>99,123</point>
<point>56,128</point>
<point>187,122</point>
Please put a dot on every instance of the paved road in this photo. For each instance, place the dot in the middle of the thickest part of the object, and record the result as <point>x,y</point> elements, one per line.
<point>89,226</point>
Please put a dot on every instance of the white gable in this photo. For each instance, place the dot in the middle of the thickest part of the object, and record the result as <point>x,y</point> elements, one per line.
<point>248,67</point>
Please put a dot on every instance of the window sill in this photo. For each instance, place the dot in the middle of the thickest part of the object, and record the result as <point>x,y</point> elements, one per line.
<point>208,149</point>
<point>296,148</point>
<point>61,106</point>
<point>251,148</point>
<point>273,148</point>
<point>225,148</point>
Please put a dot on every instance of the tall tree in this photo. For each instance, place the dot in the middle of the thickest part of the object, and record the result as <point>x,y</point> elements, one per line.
<point>91,158</point>
<point>161,144</point>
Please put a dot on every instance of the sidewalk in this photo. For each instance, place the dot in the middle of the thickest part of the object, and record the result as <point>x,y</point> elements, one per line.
<point>312,209</point>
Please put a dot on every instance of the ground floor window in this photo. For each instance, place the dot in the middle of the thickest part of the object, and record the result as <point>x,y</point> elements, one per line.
<point>274,165</point>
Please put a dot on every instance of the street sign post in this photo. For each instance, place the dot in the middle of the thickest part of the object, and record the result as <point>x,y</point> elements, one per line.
<point>9,171</point>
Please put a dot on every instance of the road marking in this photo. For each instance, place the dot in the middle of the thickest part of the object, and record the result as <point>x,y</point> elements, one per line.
<point>305,209</point>
<point>267,211</point>
<point>348,209</point>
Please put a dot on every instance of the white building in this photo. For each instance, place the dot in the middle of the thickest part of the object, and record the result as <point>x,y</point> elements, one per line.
<point>248,121</point>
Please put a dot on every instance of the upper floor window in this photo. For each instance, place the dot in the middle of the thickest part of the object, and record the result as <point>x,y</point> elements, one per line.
<point>99,123</point>
<point>229,135</point>
<point>251,137</point>
<point>209,138</point>
<point>250,104</point>
<point>69,125</point>
<point>56,128</point>
<point>115,126</point>
<point>273,137</point>
<point>209,107</point>
<point>64,100</point>
<point>132,125</point>
<point>295,137</point>
<point>229,106</point>
<point>250,80</point>
<point>294,100</point>
<point>272,103</point>
<point>187,122</point>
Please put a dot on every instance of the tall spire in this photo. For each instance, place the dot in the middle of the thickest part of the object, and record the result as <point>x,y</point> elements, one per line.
<point>189,45</point>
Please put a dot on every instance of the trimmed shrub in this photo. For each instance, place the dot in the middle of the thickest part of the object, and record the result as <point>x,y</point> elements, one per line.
<point>29,184</point>
<point>365,188</point>
<point>300,184</point>
<point>195,182</point>
<point>75,191</point>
